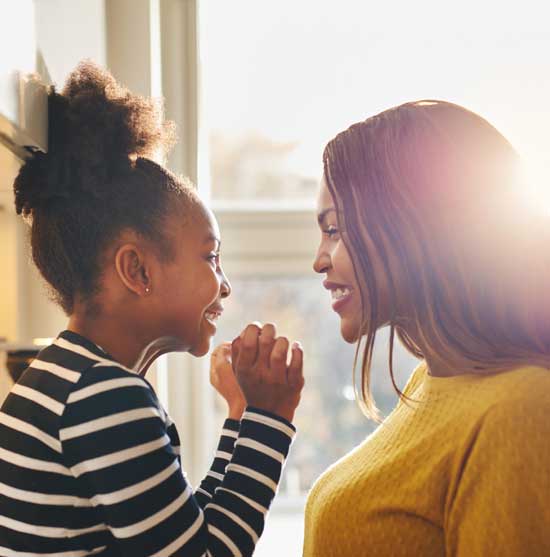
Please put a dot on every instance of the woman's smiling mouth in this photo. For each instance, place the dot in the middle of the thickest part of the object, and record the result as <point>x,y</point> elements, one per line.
<point>340,294</point>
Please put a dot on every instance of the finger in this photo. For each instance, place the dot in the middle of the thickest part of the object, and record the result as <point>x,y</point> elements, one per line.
<point>277,360</point>
<point>295,375</point>
<point>220,349</point>
<point>235,349</point>
<point>248,350</point>
<point>266,341</point>
<point>223,351</point>
<point>256,323</point>
<point>214,377</point>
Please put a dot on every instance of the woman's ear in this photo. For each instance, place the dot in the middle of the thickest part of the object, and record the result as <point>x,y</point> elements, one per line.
<point>131,266</point>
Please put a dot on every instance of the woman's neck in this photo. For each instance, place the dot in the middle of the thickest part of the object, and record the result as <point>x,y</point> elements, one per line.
<point>437,366</point>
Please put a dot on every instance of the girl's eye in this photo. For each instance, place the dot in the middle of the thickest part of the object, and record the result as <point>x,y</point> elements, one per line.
<point>214,257</point>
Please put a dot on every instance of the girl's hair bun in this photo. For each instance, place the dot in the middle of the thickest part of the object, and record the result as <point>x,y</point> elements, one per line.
<point>96,128</point>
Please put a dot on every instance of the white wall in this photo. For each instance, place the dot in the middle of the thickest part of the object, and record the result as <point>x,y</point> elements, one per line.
<point>68,31</point>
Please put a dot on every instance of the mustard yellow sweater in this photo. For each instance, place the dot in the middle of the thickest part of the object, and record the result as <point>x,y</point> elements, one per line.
<point>464,472</point>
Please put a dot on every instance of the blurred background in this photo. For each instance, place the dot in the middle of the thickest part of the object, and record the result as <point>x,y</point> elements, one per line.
<point>257,89</point>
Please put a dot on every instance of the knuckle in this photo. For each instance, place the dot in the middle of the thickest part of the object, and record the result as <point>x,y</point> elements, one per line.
<point>265,339</point>
<point>249,342</point>
<point>248,346</point>
<point>278,356</point>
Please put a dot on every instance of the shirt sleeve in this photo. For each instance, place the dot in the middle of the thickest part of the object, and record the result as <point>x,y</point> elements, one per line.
<point>115,442</point>
<point>500,505</point>
<point>224,453</point>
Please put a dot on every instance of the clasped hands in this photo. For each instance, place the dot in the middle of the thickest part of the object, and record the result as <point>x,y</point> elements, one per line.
<point>255,370</point>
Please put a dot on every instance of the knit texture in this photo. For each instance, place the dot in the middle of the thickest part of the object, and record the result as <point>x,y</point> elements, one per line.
<point>464,471</point>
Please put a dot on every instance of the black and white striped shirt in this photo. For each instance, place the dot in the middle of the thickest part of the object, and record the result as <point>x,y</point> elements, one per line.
<point>89,465</point>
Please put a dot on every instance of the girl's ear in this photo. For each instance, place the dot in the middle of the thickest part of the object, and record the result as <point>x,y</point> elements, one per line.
<point>132,269</point>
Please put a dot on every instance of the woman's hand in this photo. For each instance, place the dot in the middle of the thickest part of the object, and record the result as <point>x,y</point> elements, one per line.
<point>260,364</point>
<point>224,381</point>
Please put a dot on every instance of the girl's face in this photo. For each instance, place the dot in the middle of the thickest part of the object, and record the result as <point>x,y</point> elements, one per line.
<point>333,259</point>
<point>193,284</point>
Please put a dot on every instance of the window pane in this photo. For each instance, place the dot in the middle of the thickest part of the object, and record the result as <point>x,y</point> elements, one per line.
<point>328,420</point>
<point>281,78</point>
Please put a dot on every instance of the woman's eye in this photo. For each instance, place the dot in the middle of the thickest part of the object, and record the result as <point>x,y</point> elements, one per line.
<point>214,257</point>
<point>331,231</point>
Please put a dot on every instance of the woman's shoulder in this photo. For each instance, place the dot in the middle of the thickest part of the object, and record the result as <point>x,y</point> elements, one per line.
<point>527,386</point>
<point>514,428</point>
<point>522,385</point>
<point>416,379</point>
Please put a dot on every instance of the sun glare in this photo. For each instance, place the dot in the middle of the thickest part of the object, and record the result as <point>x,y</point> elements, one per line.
<point>536,189</point>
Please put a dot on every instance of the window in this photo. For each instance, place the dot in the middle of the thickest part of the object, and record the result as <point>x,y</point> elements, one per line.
<point>279,80</point>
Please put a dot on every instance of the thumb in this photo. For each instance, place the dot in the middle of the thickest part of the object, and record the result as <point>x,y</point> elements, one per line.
<point>295,375</point>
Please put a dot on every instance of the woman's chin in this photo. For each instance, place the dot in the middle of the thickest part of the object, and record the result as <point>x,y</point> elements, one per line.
<point>349,331</point>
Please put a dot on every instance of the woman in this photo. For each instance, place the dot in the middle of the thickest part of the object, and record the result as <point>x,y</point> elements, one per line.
<point>424,229</point>
<point>89,460</point>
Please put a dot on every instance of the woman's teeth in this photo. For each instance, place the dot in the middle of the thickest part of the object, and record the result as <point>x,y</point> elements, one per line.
<point>338,293</point>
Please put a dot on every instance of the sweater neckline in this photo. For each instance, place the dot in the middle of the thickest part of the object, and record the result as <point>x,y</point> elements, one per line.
<point>436,384</point>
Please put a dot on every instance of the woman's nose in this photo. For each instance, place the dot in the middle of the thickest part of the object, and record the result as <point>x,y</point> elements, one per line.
<point>321,262</point>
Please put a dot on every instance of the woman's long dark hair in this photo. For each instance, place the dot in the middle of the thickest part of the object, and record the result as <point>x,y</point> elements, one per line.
<point>436,188</point>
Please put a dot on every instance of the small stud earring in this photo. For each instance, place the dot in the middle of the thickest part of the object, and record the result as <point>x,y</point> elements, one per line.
<point>147,290</point>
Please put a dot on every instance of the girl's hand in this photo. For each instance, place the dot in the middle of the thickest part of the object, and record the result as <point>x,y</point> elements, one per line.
<point>224,381</point>
<point>260,365</point>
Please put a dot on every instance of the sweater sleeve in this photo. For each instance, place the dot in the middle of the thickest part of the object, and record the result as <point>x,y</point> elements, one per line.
<point>115,442</point>
<point>500,506</point>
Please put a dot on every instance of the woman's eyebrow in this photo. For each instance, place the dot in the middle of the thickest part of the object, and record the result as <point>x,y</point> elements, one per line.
<point>321,216</point>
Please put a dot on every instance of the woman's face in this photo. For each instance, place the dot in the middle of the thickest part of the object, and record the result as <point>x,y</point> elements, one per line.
<point>333,260</point>
<point>193,283</point>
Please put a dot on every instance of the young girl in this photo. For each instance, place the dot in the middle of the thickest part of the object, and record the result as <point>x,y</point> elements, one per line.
<point>89,460</point>
<point>425,229</point>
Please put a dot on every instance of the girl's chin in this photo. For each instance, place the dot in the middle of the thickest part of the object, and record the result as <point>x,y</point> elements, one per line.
<point>200,350</point>
<point>202,347</point>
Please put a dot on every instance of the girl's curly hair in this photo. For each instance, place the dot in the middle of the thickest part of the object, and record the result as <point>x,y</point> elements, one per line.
<point>103,173</point>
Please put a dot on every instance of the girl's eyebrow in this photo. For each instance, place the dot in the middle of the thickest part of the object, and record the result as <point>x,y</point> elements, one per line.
<point>215,239</point>
<point>321,216</point>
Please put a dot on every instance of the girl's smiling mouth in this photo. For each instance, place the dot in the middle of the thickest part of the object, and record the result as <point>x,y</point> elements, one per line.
<point>212,314</point>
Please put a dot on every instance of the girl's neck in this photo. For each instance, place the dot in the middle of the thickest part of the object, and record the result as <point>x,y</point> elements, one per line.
<point>116,336</point>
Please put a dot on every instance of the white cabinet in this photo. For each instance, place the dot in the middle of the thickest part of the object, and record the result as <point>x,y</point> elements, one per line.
<point>23,100</point>
<point>25,311</point>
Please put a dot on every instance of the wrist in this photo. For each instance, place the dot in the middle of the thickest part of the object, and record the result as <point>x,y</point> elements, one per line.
<point>235,412</point>
<point>284,413</point>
